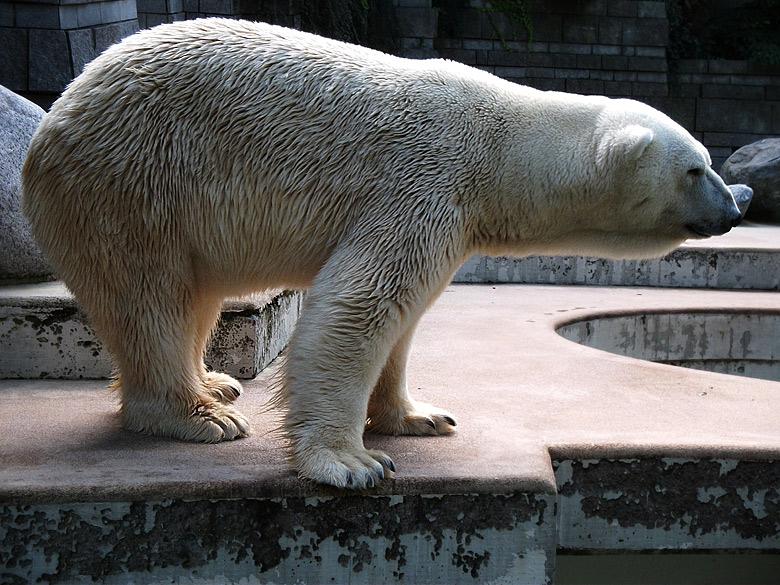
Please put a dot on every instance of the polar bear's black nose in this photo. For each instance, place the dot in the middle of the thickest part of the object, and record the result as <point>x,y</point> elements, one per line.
<point>742,196</point>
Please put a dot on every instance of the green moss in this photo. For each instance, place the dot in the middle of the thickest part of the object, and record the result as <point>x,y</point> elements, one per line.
<point>701,29</point>
<point>518,12</point>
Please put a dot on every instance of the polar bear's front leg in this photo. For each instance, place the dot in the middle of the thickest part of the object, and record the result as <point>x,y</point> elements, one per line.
<point>392,411</point>
<point>358,316</point>
<point>330,370</point>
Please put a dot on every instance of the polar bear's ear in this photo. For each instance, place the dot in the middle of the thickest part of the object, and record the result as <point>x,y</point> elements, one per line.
<point>628,142</point>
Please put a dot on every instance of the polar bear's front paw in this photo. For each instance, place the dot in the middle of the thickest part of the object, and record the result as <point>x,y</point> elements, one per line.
<point>415,418</point>
<point>353,469</point>
<point>222,387</point>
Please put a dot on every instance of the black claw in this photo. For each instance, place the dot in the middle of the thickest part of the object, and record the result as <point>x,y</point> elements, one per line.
<point>236,391</point>
<point>450,421</point>
<point>370,481</point>
<point>390,465</point>
<point>431,423</point>
<point>350,479</point>
<point>381,473</point>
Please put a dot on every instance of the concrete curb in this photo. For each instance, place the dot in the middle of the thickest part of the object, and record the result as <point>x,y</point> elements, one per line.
<point>43,334</point>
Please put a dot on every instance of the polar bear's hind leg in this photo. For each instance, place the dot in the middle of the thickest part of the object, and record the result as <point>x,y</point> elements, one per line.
<point>164,387</point>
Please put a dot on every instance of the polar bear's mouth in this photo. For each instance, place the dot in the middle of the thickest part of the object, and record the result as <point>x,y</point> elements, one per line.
<point>697,232</point>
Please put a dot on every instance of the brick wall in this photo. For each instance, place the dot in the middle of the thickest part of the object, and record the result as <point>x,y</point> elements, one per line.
<point>617,48</point>
<point>45,43</point>
<point>611,47</point>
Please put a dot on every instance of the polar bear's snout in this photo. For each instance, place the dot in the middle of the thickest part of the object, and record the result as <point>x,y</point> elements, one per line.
<point>743,195</point>
<point>723,207</point>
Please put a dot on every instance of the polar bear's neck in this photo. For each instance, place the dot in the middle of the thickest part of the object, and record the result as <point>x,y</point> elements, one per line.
<point>546,172</point>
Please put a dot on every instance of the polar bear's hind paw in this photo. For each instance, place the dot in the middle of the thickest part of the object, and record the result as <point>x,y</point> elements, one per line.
<point>429,424</point>
<point>417,419</point>
<point>222,387</point>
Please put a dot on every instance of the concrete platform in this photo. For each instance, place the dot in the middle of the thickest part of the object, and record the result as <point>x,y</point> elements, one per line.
<point>44,334</point>
<point>560,449</point>
<point>642,456</point>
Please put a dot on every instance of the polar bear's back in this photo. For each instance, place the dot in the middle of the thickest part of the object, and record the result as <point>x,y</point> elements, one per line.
<point>218,135</point>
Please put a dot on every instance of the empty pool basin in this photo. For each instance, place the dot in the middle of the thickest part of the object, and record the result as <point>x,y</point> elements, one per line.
<point>742,343</point>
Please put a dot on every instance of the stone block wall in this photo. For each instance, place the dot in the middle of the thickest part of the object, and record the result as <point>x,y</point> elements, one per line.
<point>616,48</point>
<point>610,47</point>
<point>154,12</point>
<point>45,43</point>
<point>416,28</point>
<point>204,8</point>
<point>281,12</point>
<point>727,103</point>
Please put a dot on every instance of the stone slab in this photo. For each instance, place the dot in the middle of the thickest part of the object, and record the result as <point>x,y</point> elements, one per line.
<point>514,400</point>
<point>619,430</point>
<point>745,258</point>
<point>44,334</point>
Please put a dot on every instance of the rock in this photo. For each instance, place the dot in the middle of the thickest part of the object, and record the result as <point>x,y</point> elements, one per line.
<point>758,166</point>
<point>743,195</point>
<point>20,257</point>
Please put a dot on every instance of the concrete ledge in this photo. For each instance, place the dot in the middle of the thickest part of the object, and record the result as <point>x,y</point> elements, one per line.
<point>292,540</point>
<point>559,447</point>
<point>43,334</point>
<point>745,258</point>
<point>738,342</point>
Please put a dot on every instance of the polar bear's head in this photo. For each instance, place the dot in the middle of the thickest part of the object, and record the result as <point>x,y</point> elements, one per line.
<point>660,184</point>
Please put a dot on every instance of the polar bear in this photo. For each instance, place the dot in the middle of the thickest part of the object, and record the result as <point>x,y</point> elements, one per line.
<point>210,158</point>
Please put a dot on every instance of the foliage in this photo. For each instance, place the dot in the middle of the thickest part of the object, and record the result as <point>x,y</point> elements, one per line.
<point>363,22</point>
<point>703,29</point>
<point>518,12</point>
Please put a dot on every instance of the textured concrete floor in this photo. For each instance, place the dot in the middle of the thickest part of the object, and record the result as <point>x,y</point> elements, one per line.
<point>560,447</point>
<point>488,354</point>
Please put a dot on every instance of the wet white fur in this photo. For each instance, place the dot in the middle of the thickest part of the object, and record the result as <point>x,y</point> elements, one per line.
<point>215,157</point>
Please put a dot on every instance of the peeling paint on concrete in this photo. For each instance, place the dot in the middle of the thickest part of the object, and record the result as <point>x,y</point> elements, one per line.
<point>743,343</point>
<point>53,339</point>
<point>685,267</point>
<point>50,342</point>
<point>667,503</point>
<point>450,539</point>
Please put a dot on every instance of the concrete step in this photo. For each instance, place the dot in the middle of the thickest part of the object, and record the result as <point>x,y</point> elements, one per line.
<point>44,334</point>
<point>561,448</point>
<point>745,258</point>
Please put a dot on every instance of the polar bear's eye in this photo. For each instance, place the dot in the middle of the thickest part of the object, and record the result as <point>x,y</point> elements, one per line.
<point>696,172</point>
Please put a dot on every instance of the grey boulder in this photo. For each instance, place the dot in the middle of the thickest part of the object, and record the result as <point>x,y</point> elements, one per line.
<point>743,195</point>
<point>758,166</point>
<point>20,257</point>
